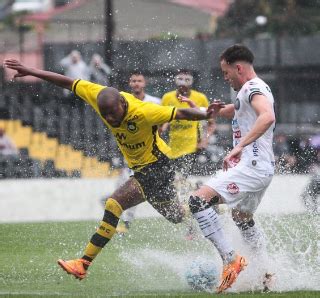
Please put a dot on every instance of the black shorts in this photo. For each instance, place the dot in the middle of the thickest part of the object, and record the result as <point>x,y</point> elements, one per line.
<point>156,181</point>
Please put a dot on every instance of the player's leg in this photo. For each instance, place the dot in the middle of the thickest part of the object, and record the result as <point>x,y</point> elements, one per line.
<point>200,203</point>
<point>123,198</point>
<point>209,222</point>
<point>249,230</point>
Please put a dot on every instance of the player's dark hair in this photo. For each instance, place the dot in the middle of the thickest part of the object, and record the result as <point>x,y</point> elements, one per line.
<point>184,71</point>
<point>136,73</point>
<point>237,52</point>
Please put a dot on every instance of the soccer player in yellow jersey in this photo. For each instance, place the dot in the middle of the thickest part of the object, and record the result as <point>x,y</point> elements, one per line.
<point>135,126</point>
<point>185,137</point>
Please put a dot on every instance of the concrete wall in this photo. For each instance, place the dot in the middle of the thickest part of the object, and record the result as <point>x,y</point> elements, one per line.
<point>79,199</point>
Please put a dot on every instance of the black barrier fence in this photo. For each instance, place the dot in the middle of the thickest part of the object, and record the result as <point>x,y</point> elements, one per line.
<point>290,66</point>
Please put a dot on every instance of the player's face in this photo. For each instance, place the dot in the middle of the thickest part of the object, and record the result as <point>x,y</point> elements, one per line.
<point>231,74</point>
<point>137,83</point>
<point>183,82</point>
<point>114,114</point>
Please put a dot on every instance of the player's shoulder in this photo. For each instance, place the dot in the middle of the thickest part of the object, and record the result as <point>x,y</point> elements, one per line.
<point>199,94</point>
<point>254,84</point>
<point>168,96</point>
<point>153,99</point>
<point>129,97</point>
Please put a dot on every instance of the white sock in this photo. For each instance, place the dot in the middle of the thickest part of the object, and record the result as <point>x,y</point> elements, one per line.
<point>211,228</point>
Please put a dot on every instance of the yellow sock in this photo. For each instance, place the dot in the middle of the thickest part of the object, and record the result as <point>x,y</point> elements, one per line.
<point>105,231</point>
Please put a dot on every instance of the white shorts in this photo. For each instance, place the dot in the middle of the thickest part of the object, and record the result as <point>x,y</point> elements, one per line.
<point>241,187</point>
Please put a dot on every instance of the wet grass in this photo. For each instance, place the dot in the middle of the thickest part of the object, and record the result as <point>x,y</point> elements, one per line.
<point>143,263</point>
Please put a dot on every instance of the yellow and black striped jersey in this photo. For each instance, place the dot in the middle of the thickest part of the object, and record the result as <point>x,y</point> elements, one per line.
<point>137,136</point>
<point>184,134</point>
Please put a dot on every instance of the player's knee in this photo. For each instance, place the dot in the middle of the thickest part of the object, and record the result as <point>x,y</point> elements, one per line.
<point>196,204</point>
<point>113,206</point>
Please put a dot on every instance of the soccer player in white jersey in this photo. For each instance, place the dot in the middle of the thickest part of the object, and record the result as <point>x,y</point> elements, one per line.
<point>137,83</point>
<point>249,166</point>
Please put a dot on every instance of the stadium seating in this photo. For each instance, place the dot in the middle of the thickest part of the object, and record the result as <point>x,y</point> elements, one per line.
<point>41,155</point>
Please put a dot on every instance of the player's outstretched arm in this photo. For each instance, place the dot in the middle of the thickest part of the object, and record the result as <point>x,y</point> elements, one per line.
<point>22,71</point>
<point>192,114</point>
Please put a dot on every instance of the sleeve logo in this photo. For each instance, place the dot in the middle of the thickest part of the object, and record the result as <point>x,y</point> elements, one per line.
<point>233,188</point>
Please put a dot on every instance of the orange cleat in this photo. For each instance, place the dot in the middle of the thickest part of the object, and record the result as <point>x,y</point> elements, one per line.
<point>75,267</point>
<point>231,272</point>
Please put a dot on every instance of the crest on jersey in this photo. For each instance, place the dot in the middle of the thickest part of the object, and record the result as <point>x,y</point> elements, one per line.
<point>132,127</point>
<point>233,188</point>
<point>237,104</point>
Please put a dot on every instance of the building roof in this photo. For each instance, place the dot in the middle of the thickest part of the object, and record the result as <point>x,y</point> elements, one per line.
<point>134,20</point>
<point>217,7</point>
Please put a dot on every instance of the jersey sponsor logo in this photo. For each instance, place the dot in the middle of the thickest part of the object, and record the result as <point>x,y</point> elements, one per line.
<point>233,188</point>
<point>102,228</point>
<point>132,127</point>
<point>236,130</point>
<point>132,146</point>
<point>177,125</point>
<point>255,149</point>
<point>237,104</point>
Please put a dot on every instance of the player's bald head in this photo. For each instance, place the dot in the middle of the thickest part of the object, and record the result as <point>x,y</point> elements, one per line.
<point>111,105</point>
<point>107,98</point>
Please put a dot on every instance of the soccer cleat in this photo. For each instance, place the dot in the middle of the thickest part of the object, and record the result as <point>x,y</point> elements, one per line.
<point>231,272</point>
<point>75,267</point>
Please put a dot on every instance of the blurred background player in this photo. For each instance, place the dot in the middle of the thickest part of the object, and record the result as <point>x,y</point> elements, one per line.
<point>186,138</point>
<point>137,84</point>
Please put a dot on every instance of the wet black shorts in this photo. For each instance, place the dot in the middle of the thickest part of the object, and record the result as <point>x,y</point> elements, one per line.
<point>157,183</point>
<point>156,180</point>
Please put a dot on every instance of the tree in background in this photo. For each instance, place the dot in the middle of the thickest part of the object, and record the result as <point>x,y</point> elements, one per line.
<point>248,18</point>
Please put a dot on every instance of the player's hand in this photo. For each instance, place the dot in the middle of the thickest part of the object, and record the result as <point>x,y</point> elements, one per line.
<point>187,100</point>
<point>22,71</point>
<point>232,159</point>
<point>215,107</point>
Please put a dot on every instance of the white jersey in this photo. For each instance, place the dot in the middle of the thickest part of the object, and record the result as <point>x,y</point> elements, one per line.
<point>259,153</point>
<point>149,98</point>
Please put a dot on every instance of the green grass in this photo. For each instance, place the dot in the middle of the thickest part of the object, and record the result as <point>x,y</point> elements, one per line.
<point>141,264</point>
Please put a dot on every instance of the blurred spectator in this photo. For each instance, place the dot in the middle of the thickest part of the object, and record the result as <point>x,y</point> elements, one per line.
<point>99,71</point>
<point>7,147</point>
<point>74,67</point>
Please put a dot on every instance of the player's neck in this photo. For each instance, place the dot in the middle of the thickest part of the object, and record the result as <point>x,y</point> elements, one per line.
<point>140,95</point>
<point>248,77</point>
